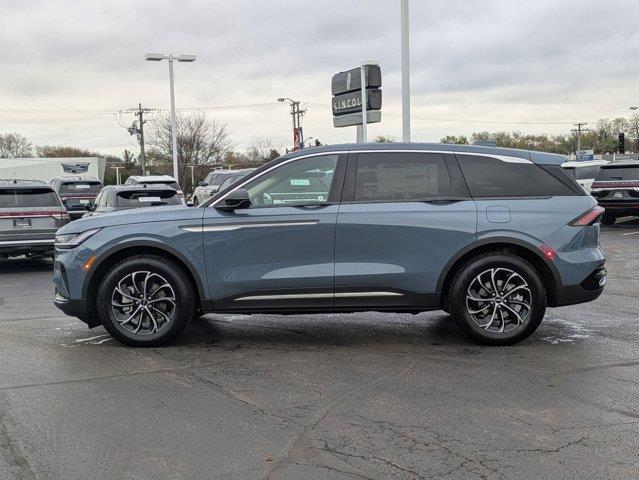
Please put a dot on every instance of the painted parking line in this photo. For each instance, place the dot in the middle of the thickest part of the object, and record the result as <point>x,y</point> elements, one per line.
<point>630,233</point>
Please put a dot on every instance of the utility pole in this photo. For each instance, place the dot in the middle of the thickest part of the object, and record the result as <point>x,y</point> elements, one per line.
<point>137,128</point>
<point>141,121</point>
<point>297,113</point>
<point>578,130</point>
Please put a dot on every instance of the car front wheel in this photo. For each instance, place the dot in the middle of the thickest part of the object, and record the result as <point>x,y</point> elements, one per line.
<point>497,299</point>
<point>145,300</point>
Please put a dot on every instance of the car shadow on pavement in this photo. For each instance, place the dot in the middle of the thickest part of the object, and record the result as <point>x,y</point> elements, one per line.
<point>624,222</point>
<point>24,264</point>
<point>291,331</point>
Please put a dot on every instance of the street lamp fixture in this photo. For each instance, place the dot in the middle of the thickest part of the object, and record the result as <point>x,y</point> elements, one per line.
<point>157,57</point>
<point>633,108</point>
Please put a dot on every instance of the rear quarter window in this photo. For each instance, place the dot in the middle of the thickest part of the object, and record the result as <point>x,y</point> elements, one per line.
<point>28,198</point>
<point>489,177</point>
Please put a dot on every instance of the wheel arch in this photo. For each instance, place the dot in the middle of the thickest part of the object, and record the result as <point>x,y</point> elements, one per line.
<point>120,252</point>
<point>547,271</point>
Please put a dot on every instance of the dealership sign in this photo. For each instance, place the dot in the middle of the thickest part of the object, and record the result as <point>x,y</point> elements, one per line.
<point>346,88</point>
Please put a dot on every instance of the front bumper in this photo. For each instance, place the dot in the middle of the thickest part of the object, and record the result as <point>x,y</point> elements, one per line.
<point>68,294</point>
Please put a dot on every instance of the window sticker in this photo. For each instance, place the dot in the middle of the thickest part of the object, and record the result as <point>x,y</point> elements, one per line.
<point>149,199</point>
<point>300,181</point>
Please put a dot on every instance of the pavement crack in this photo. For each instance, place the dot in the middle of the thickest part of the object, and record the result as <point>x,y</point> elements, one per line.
<point>386,461</point>
<point>10,449</point>
<point>302,443</point>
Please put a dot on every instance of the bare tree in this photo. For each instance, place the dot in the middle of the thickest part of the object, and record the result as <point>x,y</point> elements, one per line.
<point>384,139</point>
<point>200,141</point>
<point>53,151</point>
<point>15,145</point>
<point>261,150</point>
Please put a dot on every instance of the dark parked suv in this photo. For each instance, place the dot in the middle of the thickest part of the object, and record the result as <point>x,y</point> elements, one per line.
<point>114,198</point>
<point>30,214</point>
<point>76,193</point>
<point>616,188</point>
<point>491,235</point>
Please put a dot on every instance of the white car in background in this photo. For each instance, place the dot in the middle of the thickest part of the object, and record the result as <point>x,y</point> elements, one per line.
<point>213,181</point>
<point>156,180</point>
<point>584,172</point>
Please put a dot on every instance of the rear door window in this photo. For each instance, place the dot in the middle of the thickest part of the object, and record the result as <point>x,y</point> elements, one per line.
<point>489,177</point>
<point>28,198</point>
<point>389,177</point>
<point>144,198</point>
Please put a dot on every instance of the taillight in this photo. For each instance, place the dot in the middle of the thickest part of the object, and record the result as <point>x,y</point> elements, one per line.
<point>589,218</point>
<point>61,216</point>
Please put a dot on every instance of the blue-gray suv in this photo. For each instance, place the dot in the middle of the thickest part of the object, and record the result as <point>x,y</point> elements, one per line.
<point>492,236</point>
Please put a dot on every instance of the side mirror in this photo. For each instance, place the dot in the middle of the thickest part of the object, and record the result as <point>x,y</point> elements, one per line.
<point>202,184</point>
<point>235,200</point>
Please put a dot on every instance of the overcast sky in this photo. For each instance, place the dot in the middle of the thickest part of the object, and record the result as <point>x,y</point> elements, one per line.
<point>530,65</point>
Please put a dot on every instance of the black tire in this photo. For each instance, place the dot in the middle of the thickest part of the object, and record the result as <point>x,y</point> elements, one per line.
<point>181,288</point>
<point>533,292</point>
<point>608,219</point>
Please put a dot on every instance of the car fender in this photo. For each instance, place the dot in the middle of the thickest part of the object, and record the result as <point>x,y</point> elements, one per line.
<point>500,239</point>
<point>184,257</point>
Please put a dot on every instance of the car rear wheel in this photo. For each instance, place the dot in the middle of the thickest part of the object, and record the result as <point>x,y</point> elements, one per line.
<point>497,299</point>
<point>608,219</point>
<point>145,300</point>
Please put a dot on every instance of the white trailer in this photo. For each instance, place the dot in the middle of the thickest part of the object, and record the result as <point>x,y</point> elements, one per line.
<point>49,168</point>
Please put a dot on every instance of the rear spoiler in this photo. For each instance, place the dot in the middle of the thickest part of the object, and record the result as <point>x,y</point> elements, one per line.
<point>543,158</point>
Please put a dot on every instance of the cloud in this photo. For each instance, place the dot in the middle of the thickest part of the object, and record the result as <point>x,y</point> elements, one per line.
<point>508,61</point>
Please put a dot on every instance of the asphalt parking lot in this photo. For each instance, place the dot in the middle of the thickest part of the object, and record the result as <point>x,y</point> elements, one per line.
<point>360,396</point>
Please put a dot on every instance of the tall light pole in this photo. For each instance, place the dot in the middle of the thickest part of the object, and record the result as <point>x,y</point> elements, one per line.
<point>157,57</point>
<point>405,73</point>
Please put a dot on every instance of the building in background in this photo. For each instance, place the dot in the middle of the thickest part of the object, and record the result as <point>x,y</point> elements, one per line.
<point>49,168</point>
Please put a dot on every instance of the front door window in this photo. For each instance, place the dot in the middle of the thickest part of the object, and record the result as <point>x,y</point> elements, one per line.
<point>300,182</point>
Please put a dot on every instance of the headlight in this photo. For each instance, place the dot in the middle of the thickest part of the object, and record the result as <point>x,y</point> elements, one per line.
<point>72,240</point>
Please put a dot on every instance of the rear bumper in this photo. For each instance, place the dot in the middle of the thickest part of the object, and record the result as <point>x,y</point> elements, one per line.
<point>587,291</point>
<point>19,247</point>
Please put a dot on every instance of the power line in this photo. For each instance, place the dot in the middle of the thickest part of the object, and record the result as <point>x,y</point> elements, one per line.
<point>115,112</point>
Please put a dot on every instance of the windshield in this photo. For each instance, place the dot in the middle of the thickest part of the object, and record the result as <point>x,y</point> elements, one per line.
<point>80,188</point>
<point>618,172</point>
<point>143,198</point>
<point>28,197</point>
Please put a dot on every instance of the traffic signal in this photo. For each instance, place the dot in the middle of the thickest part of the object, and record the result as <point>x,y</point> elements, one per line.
<point>622,143</point>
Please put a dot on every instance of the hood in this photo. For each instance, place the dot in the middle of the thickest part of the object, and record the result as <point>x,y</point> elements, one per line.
<point>135,216</point>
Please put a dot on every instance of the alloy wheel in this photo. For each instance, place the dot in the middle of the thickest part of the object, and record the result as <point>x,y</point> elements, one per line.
<point>143,303</point>
<point>499,300</point>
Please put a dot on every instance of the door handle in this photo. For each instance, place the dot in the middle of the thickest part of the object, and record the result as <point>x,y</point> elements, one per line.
<point>311,206</point>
